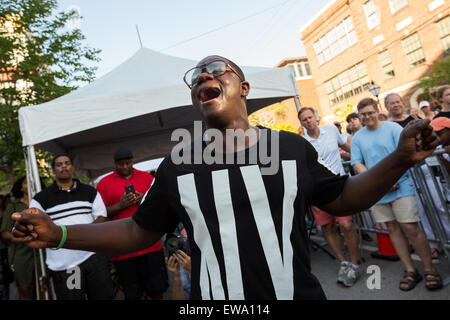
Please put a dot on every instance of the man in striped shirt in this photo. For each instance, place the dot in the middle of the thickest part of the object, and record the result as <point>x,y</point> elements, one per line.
<point>68,202</point>
<point>247,229</point>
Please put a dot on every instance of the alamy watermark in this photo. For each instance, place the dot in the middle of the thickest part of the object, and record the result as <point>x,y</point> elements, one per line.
<point>74,280</point>
<point>263,147</point>
<point>374,280</point>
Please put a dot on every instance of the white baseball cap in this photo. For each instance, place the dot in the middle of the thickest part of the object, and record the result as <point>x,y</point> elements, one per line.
<point>424,104</point>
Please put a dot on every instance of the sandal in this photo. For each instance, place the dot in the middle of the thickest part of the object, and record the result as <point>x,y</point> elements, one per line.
<point>410,279</point>
<point>433,277</point>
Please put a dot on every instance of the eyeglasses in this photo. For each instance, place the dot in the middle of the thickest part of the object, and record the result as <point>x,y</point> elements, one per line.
<point>215,68</point>
<point>367,114</point>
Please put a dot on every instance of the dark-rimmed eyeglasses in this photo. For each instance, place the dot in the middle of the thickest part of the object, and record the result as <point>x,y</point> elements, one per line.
<point>215,68</point>
<point>367,114</point>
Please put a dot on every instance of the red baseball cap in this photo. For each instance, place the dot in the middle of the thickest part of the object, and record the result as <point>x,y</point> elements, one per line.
<point>440,123</point>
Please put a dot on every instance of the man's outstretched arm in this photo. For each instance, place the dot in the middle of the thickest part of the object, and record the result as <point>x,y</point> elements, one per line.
<point>416,143</point>
<point>118,237</point>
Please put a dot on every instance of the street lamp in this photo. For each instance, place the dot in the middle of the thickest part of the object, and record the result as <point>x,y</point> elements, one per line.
<point>375,90</point>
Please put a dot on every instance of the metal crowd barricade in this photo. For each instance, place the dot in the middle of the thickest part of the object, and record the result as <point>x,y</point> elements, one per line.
<point>433,193</point>
<point>364,219</point>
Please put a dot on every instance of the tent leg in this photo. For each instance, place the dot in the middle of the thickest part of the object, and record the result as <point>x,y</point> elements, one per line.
<point>297,103</point>
<point>34,186</point>
<point>296,100</point>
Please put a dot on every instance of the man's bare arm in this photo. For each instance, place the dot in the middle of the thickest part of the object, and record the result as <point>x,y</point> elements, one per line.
<point>346,146</point>
<point>118,237</point>
<point>359,167</point>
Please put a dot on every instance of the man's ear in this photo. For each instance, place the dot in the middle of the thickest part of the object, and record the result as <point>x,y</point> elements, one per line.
<point>245,88</point>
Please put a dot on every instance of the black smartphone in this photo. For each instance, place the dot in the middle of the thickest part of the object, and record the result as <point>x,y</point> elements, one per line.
<point>129,189</point>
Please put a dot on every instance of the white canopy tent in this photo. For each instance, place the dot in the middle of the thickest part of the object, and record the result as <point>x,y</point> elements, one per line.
<point>138,104</point>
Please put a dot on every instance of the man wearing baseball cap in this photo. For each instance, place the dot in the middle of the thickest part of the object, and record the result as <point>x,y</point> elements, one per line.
<point>442,127</point>
<point>144,270</point>
<point>424,106</point>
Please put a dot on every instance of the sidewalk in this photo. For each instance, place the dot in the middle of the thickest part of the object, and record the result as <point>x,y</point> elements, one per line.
<point>326,269</point>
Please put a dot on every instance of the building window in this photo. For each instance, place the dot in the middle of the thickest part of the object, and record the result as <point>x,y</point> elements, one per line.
<point>372,16</point>
<point>335,41</point>
<point>308,70</point>
<point>396,5</point>
<point>300,70</point>
<point>443,26</point>
<point>413,50</point>
<point>293,69</point>
<point>386,64</point>
<point>347,84</point>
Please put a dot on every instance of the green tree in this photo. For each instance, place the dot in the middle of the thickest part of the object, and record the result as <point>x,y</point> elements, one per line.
<point>438,75</point>
<point>41,58</point>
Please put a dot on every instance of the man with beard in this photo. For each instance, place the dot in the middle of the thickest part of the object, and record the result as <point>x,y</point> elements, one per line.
<point>144,270</point>
<point>69,202</point>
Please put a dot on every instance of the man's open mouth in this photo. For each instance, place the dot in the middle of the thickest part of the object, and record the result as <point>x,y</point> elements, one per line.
<point>208,93</point>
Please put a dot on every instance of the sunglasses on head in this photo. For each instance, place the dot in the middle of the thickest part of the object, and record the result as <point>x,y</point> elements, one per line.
<point>215,68</point>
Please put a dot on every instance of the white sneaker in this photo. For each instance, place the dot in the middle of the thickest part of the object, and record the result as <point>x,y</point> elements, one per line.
<point>342,271</point>
<point>351,276</point>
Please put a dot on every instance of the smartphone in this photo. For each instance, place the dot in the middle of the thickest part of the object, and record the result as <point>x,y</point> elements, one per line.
<point>129,189</point>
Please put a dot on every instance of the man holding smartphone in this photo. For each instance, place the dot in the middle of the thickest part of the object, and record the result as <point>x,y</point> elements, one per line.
<point>122,192</point>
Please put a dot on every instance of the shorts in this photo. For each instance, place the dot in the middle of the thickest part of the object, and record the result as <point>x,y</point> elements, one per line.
<point>323,218</point>
<point>147,273</point>
<point>404,210</point>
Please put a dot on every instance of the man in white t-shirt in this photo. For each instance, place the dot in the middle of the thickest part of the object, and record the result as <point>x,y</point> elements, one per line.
<point>327,141</point>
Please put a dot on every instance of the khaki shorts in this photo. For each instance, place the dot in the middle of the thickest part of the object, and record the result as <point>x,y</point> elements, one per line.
<point>404,210</point>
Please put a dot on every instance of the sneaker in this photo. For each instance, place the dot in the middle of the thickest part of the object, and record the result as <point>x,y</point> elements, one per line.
<point>342,271</point>
<point>351,276</point>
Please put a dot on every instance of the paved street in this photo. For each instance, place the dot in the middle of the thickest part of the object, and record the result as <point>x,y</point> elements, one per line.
<point>325,269</point>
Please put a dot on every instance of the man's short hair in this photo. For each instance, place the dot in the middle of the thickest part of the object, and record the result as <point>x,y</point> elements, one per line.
<point>305,109</point>
<point>367,102</point>
<point>351,116</point>
<point>58,156</point>
<point>386,99</point>
<point>122,153</point>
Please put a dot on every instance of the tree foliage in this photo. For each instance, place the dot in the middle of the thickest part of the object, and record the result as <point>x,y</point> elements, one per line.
<point>439,75</point>
<point>41,58</point>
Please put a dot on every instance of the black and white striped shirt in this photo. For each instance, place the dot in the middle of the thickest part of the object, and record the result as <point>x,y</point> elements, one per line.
<point>79,205</point>
<point>246,230</point>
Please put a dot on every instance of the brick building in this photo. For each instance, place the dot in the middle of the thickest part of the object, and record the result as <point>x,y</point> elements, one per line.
<point>284,115</point>
<point>304,78</point>
<point>351,43</point>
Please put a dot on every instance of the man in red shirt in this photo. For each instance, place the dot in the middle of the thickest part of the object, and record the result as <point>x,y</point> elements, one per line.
<point>143,270</point>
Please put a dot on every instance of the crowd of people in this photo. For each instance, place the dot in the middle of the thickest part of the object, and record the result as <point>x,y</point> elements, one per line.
<point>246,232</point>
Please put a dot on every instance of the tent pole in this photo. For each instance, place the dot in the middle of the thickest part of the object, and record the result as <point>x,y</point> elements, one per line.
<point>34,186</point>
<point>296,100</point>
<point>139,36</point>
<point>297,103</point>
